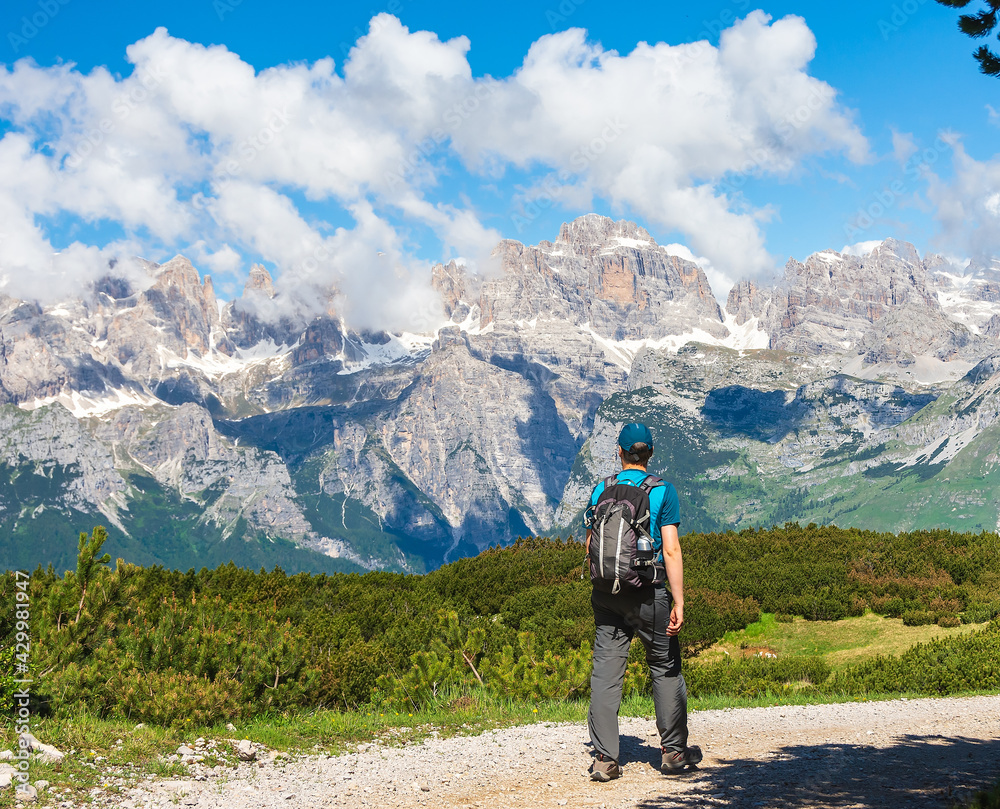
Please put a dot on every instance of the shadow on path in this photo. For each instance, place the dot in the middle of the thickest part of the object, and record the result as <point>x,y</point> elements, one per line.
<point>916,771</point>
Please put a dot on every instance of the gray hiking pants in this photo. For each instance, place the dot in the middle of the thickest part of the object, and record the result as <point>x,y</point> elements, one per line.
<point>618,618</point>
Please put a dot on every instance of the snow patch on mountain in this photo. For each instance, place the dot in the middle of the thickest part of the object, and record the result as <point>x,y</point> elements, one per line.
<point>925,370</point>
<point>944,449</point>
<point>91,406</point>
<point>412,348</point>
<point>264,350</point>
<point>964,298</point>
<point>746,337</point>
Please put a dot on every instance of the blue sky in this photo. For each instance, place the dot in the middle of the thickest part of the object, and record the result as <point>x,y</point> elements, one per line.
<point>896,135</point>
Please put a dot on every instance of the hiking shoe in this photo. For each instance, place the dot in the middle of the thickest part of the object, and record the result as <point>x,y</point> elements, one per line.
<point>676,760</point>
<point>604,769</point>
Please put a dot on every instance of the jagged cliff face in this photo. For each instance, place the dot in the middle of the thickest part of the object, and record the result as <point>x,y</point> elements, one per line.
<point>230,428</point>
<point>889,307</point>
<point>609,276</point>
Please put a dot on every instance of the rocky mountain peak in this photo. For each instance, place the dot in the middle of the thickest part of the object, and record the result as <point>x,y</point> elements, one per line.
<point>985,269</point>
<point>450,280</point>
<point>904,251</point>
<point>609,275</point>
<point>593,230</point>
<point>884,306</point>
<point>178,278</point>
<point>259,281</point>
<point>178,313</point>
<point>114,287</point>
<point>748,300</point>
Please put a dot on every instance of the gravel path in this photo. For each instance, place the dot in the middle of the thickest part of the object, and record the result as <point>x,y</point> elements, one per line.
<point>880,754</point>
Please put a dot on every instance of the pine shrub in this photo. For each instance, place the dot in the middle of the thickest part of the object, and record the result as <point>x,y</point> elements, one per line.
<point>755,676</point>
<point>535,674</point>
<point>944,666</point>
<point>166,646</point>
<point>918,618</point>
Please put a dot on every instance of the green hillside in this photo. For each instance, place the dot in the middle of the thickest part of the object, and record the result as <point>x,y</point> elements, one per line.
<point>157,528</point>
<point>161,645</point>
<point>781,447</point>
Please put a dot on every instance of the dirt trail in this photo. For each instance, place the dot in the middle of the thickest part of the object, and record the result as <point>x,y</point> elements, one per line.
<point>882,754</point>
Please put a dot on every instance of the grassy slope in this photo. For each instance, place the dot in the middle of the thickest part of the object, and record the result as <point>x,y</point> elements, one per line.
<point>841,643</point>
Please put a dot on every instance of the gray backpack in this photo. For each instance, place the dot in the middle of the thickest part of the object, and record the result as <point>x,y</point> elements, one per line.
<point>621,545</point>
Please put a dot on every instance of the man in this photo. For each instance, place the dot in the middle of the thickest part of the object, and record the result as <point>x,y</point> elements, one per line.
<point>653,612</point>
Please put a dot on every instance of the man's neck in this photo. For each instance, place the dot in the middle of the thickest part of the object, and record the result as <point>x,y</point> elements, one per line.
<point>632,467</point>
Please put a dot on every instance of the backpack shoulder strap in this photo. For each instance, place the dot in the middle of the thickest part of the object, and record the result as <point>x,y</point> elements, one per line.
<point>650,483</point>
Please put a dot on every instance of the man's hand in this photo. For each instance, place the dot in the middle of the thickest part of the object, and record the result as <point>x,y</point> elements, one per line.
<point>676,620</point>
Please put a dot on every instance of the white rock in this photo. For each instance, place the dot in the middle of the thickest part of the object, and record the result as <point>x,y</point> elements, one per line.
<point>46,753</point>
<point>26,793</point>
<point>184,750</point>
<point>174,786</point>
<point>245,750</point>
<point>41,786</point>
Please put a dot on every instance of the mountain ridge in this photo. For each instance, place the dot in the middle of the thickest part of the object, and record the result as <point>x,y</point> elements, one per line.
<point>404,451</point>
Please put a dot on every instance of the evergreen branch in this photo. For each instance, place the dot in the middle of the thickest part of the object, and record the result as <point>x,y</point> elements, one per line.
<point>88,560</point>
<point>954,3</point>
<point>978,25</point>
<point>989,62</point>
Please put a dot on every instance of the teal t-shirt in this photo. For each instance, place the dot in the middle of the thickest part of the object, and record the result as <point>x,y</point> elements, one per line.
<point>664,507</point>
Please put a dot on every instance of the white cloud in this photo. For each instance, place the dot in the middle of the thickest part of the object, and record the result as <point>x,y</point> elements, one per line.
<point>196,149</point>
<point>904,146</point>
<point>861,249</point>
<point>223,261</point>
<point>655,131</point>
<point>966,205</point>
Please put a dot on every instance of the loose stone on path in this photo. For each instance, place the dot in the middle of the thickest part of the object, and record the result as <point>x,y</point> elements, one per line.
<point>888,754</point>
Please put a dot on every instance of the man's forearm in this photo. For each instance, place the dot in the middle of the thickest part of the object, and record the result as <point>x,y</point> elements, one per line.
<point>674,562</point>
<point>675,577</point>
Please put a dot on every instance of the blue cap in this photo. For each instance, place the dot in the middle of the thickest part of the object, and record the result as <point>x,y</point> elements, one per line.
<point>635,434</point>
